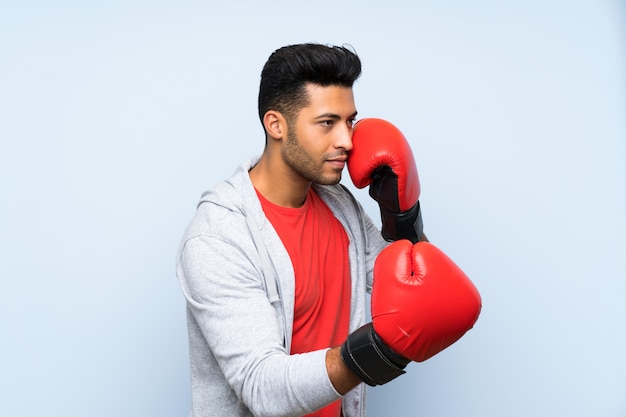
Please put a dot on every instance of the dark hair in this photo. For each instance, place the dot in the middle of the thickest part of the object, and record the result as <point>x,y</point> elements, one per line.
<point>290,68</point>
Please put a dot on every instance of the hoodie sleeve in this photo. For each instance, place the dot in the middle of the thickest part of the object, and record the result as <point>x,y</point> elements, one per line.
<point>375,244</point>
<point>223,289</point>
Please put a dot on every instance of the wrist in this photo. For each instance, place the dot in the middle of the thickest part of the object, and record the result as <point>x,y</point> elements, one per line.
<point>370,358</point>
<point>340,375</point>
<point>403,225</point>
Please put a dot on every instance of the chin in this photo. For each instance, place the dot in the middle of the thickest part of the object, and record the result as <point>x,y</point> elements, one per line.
<point>330,180</point>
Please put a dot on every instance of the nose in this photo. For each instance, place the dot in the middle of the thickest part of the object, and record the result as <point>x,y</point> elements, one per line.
<point>344,138</point>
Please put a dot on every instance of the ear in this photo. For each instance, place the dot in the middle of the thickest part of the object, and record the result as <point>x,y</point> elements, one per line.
<point>275,124</point>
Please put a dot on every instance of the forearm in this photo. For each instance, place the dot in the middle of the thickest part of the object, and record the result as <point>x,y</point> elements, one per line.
<point>342,378</point>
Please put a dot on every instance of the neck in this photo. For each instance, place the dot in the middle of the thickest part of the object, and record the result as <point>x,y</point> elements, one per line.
<point>279,184</point>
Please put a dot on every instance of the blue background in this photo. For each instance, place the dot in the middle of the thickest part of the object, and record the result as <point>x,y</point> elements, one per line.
<point>115,116</point>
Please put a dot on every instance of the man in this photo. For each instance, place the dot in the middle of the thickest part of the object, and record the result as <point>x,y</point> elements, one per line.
<point>277,260</point>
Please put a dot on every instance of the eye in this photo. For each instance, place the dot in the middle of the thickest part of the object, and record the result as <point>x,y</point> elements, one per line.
<point>328,122</point>
<point>351,123</point>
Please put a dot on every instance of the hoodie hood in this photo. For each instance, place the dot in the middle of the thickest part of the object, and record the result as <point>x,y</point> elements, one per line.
<point>237,193</point>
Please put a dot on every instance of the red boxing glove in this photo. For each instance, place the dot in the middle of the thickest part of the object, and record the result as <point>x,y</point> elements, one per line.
<point>422,302</point>
<point>382,158</point>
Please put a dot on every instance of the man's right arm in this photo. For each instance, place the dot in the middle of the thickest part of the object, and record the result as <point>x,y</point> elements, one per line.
<point>239,327</point>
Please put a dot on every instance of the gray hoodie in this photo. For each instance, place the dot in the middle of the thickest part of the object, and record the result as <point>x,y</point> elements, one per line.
<point>238,282</point>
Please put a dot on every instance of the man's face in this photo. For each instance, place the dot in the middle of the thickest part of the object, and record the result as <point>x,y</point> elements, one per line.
<point>320,137</point>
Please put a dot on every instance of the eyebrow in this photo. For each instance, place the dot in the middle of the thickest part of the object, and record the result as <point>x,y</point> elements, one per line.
<point>334,116</point>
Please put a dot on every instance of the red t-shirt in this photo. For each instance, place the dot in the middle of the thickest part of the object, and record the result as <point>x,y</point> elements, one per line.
<point>318,247</point>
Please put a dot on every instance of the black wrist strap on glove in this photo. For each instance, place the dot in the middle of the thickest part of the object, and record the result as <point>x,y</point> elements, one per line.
<point>396,224</point>
<point>404,225</point>
<point>370,358</point>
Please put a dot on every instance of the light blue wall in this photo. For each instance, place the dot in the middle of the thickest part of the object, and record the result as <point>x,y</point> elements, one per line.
<point>114,117</point>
